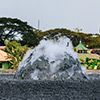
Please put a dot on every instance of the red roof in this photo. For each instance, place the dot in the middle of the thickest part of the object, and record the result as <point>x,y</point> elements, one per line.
<point>3,56</point>
<point>2,47</point>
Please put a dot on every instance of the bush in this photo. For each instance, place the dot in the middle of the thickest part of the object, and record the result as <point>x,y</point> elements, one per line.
<point>16,52</point>
<point>87,59</point>
<point>98,65</point>
<point>90,67</point>
<point>90,62</point>
<point>82,61</point>
<point>95,67</point>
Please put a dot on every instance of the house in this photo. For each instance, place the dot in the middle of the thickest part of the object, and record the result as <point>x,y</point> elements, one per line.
<point>84,52</point>
<point>2,47</point>
<point>4,61</point>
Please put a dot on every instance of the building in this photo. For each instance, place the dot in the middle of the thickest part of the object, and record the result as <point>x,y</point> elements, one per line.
<point>2,47</point>
<point>81,48</point>
<point>84,52</point>
<point>4,61</point>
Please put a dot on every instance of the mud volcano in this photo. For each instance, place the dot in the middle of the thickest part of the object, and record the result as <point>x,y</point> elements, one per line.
<point>51,71</point>
<point>51,60</point>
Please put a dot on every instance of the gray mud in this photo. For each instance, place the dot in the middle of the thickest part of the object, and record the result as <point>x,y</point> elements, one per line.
<point>12,89</point>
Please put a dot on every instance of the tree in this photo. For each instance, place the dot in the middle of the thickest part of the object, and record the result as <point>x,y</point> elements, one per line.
<point>93,40</point>
<point>52,34</point>
<point>78,30</point>
<point>16,52</point>
<point>11,29</point>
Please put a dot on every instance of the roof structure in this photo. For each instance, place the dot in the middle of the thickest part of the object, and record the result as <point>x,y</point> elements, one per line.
<point>89,55</point>
<point>84,55</point>
<point>81,47</point>
<point>2,47</point>
<point>3,56</point>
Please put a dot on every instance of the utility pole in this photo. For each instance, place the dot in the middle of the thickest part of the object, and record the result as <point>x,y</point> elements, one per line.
<point>38,31</point>
<point>38,24</point>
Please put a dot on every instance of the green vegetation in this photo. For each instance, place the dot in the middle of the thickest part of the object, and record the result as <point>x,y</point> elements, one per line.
<point>12,28</point>
<point>92,40</point>
<point>90,63</point>
<point>16,52</point>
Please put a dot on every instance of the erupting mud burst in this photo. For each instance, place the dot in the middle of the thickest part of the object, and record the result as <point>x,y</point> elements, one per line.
<point>51,60</point>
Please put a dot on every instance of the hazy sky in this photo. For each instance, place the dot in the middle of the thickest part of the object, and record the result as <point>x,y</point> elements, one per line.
<point>52,14</point>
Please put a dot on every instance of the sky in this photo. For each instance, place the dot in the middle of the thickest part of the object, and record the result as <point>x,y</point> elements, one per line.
<point>70,14</point>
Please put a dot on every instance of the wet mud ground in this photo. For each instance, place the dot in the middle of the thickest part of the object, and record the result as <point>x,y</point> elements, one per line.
<point>12,89</point>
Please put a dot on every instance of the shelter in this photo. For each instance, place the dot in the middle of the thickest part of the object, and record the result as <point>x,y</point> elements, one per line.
<point>4,61</point>
<point>81,48</point>
<point>84,52</point>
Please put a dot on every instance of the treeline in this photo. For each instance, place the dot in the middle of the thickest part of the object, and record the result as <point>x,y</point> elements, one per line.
<point>92,40</point>
<point>13,29</point>
<point>18,37</point>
